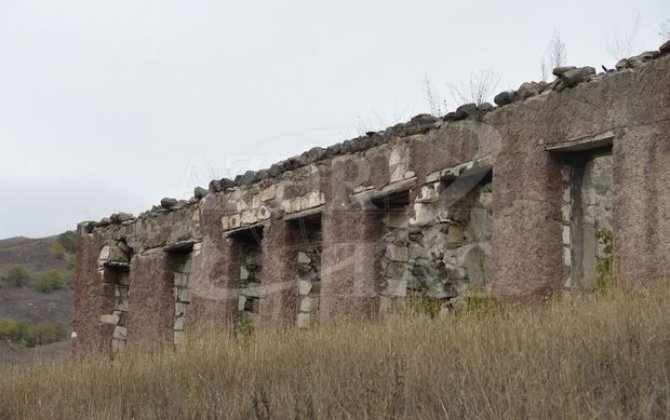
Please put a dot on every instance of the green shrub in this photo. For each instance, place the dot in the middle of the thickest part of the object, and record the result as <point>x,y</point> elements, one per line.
<point>604,263</point>
<point>17,276</point>
<point>11,330</point>
<point>50,281</point>
<point>426,305</point>
<point>68,241</point>
<point>57,250</point>
<point>30,334</point>
<point>245,328</point>
<point>71,262</point>
<point>481,304</point>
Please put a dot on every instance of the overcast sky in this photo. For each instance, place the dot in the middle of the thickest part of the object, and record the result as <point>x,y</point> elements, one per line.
<point>110,106</point>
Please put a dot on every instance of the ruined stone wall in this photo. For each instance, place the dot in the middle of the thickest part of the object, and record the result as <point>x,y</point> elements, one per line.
<point>499,199</point>
<point>442,251</point>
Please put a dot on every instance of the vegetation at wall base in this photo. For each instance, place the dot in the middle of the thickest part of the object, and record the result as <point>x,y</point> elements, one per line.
<point>605,264</point>
<point>245,328</point>
<point>588,356</point>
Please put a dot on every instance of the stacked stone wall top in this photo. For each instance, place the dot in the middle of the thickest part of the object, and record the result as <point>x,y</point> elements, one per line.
<point>426,144</point>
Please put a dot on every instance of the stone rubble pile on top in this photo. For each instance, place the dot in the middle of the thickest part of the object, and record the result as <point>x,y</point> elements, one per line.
<point>566,77</point>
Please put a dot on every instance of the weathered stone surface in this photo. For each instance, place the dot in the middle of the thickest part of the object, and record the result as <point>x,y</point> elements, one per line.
<point>665,47</point>
<point>245,179</point>
<point>182,295</point>
<point>576,76</point>
<point>528,89</point>
<point>636,61</point>
<point>169,203</point>
<point>503,98</point>
<point>120,218</point>
<point>423,119</point>
<point>560,71</point>
<point>303,320</point>
<point>279,291</point>
<point>261,175</point>
<point>200,192</point>
<point>218,185</point>
<point>485,107</point>
<point>303,258</point>
<point>449,116</point>
<point>151,309</point>
<point>397,253</point>
<point>109,319</point>
<point>624,63</point>
<point>304,287</point>
<point>465,111</point>
<point>641,196</point>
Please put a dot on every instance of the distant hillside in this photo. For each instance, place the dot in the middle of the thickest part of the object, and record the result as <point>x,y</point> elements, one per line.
<point>34,254</point>
<point>26,303</point>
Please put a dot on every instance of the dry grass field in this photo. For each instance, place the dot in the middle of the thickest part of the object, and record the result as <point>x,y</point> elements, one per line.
<point>588,357</point>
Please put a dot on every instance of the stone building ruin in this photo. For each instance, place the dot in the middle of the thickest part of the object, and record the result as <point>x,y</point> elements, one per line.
<point>510,200</point>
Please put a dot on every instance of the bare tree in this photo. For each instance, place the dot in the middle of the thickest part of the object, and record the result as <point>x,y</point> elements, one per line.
<point>555,56</point>
<point>623,45</point>
<point>479,89</point>
<point>363,126</point>
<point>665,29</point>
<point>557,51</point>
<point>437,106</point>
<point>544,70</point>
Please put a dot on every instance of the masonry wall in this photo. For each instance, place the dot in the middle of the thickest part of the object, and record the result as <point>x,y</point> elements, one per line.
<point>434,207</point>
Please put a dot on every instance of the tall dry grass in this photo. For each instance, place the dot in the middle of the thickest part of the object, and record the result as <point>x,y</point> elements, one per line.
<point>581,358</point>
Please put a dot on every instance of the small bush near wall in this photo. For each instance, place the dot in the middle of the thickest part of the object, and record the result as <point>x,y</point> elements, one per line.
<point>604,263</point>
<point>478,302</point>
<point>245,328</point>
<point>31,335</point>
<point>17,276</point>
<point>426,305</point>
<point>57,250</point>
<point>50,281</point>
<point>68,241</point>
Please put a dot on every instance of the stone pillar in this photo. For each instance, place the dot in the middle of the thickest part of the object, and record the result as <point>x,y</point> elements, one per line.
<point>349,271</point>
<point>93,295</point>
<point>151,301</point>
<point>279,275</point>
<point>214,285</point>
<point>642,204</point>
<point>527,228</point>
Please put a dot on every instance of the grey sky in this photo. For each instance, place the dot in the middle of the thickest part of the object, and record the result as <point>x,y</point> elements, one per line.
<point>110,106</point>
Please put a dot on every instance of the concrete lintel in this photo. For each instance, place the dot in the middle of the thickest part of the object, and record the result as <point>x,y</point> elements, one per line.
<point>396,187</point>
<point>478,170</point>
<point>117,264</point>
<point>304,213</point>
<point>181,246</point>
<point>465,168</point>
<point>582,143</point>
<point>229,233</point>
